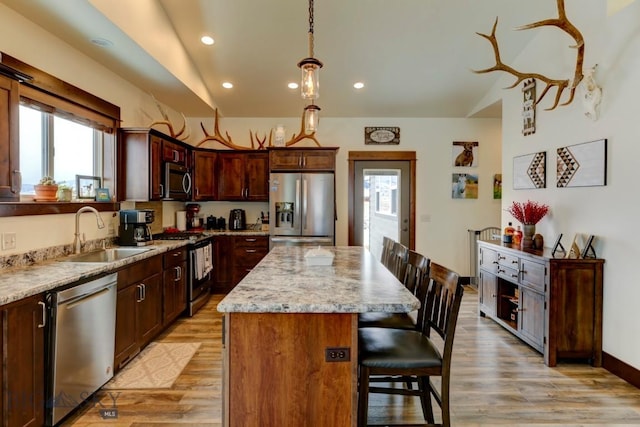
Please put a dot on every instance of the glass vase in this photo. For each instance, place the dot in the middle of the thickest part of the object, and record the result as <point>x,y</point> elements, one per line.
<point>528,230</point>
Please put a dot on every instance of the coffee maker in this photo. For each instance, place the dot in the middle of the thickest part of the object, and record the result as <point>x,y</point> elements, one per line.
<point>237,219</point>
<point>134,230</point>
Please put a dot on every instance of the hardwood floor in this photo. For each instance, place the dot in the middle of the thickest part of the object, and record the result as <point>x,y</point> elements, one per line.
<point>496,380</point>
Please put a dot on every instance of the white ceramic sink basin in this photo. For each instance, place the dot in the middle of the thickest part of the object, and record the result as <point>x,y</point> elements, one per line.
<point>106,255</point>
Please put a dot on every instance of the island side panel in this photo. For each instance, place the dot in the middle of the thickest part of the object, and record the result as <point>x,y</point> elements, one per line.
<point>277,373</point>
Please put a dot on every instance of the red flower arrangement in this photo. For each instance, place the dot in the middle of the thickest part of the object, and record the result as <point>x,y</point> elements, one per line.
<point>528,212</point>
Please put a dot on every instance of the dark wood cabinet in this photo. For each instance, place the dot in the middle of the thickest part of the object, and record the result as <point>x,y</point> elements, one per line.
<point>142,154</point>
<point>22,378</point>
<point>308,159</point>
<point>9,141</point>
<point>174,284</point>
<point>139,308</point>
<point>552,304</point>
<point>235,257</point>
<point>243,175</point>
<point>205,175</point>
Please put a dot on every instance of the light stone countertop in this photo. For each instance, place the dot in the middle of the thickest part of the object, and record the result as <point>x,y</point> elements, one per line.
<point>283,283</point>
<point>23,282</point>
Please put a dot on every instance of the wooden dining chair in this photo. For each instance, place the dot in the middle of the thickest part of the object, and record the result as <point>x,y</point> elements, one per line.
<point>416,274</point>
<point>400,354</point>
<point>398,260</point>
<point>387,250</point>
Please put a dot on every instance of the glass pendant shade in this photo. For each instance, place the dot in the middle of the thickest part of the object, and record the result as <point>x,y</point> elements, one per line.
<point>310,78</point>
<point>311,118</point>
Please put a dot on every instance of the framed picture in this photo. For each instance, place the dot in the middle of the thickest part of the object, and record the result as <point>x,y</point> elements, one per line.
<point>86,186</point>
<point>582,165</point>
<point>464,186</point>
<point>529,107</point>
<point>529,171</point>
<point>102,195</point>
<point>381,135</point>
<point>465,153</point>
<point>497,186</point>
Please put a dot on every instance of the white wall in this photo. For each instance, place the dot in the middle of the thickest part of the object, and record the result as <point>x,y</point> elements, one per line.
<point>441,223</point>
<point>610,212</point>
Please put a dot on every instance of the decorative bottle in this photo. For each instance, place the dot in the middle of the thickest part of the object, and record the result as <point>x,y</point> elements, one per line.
<point>280,136</point>
<point>517,236</point>
<point>508,234</point>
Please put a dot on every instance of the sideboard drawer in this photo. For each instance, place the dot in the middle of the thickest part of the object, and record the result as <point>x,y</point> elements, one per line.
<point>533,274</point>
<point>508,260</point>
<point>510,274</point>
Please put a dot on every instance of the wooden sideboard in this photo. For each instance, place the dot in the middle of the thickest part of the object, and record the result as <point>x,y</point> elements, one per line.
<point>552,304</point>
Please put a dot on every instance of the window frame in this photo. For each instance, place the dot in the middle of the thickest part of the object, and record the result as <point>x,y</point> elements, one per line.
<point>57,96</point>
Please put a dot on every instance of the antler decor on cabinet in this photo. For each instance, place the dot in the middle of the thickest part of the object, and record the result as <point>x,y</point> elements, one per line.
<point>181,135</point>
<point>217,136</point>
<point>563,23</point>
<point>302,135</point>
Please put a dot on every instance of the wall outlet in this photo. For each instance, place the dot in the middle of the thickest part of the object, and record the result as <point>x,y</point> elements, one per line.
<point>8,241</point>
<point>337,354</point>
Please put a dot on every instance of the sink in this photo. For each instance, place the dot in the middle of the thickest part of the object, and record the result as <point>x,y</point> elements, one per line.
<point>106,255</point>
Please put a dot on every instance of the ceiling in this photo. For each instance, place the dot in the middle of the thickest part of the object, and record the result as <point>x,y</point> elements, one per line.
<point>414,56</point>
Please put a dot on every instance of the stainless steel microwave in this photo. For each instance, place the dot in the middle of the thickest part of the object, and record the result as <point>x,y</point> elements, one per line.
<point>177,182</point>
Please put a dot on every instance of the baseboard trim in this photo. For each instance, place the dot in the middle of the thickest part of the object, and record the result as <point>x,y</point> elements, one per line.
<point>621,369</point>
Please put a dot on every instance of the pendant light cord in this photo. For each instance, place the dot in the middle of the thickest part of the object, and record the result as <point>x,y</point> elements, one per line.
<point>310,28</point>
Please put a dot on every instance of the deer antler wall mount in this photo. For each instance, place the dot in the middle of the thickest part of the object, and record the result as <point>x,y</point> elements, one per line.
<point>561,22</point>
<point>182,134</point>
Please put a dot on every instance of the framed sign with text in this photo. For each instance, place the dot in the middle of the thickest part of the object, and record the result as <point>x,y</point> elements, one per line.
<point>381,135</point>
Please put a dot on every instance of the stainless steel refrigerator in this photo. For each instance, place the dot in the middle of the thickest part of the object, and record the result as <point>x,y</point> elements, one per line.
<point>302,209</point>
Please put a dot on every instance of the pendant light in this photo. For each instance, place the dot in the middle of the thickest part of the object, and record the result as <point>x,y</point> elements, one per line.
<point>310,66</point>
<point>311,117</point>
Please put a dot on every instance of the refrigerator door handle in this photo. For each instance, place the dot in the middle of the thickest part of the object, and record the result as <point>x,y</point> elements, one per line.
<point>298,205</point>
<point>304,203</point>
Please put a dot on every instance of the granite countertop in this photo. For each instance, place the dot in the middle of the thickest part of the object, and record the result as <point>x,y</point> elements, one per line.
<point>283,283</point>
<point>23,282</point>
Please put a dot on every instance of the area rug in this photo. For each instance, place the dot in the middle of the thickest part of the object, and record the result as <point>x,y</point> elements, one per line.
<point>157,366</point>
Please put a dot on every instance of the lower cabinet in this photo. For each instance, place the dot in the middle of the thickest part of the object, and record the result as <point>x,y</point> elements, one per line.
<point>235,257</point>
<point>174,284</point>
<point>22,336</point>
<point>552,304</point>
<point>139,308</point>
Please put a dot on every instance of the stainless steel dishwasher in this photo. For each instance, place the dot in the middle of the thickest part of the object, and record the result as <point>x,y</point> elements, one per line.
<point>81,343</point>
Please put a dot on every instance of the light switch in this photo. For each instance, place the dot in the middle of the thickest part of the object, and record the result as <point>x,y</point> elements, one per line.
<point>8,241</point>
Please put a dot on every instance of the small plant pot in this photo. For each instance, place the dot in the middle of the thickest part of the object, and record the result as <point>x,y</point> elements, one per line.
<point>46,193</point>
<point>64,194</point>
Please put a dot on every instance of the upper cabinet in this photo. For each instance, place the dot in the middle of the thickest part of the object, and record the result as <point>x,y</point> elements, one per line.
<point>9,142</point>
<point>143,154</point>
<point>243,175</point>
<point>204,175</point>
<point>303,159</point>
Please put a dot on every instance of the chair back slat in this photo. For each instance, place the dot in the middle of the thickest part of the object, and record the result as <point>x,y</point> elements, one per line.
<point>416,272</point>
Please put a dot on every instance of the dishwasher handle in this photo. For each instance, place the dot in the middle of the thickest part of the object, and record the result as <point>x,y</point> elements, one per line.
<point>69,304</point>
<point>44,314</point>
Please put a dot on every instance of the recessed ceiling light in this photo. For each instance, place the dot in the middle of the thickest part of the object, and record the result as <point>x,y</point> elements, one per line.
<point>358,85</point>
<point>207,40</point>
<point>227,85</point>
<point>99,41</point>
<point>292,85</point>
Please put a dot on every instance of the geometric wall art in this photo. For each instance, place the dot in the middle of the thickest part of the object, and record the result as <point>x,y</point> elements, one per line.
<point>582,165</point>
<point>529,171</point>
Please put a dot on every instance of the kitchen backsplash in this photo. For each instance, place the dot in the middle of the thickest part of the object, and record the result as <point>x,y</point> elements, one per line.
<point>40,255</point>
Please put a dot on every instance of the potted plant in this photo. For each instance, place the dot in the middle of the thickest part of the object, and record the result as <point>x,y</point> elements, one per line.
<point>529,214</point>
<point>64,193</point>
<point>46,190</point>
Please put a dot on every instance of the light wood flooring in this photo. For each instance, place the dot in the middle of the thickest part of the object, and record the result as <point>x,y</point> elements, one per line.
<point>496,380</point>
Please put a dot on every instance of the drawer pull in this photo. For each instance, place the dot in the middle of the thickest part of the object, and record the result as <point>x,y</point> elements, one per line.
<point>514,261</point>
<point>176,254</point>
<point>250,240</point>
<point>250,251</point>
<point>515,276</point>
<point>501,271</point>
<point>501,257</point>
<point>495,262</point>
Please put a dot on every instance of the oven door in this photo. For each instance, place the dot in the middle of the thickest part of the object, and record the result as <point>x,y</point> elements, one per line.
<point>200,275</point>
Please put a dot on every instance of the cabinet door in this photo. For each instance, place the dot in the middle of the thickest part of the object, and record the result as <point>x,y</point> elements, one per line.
<point>156,189</point>
<point>257,177</point>
<point>319,160</point>
<point>9,142</point>
<point>231,176</point>
<point>223,248</point>
<point>24,324</point>
<point>149,309</point>
<point>174,153</point>
<point>175,292</point>
<point>204,175</point>
<point>126,326</point>
<point>488,291</point>
<point>531,320</point>
<point>285,160</point>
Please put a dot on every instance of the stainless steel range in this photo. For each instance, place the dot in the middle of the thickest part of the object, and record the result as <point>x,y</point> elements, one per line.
<point>199,266</point>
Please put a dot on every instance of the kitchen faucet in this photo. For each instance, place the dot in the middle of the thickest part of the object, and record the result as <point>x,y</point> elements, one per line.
<point>77,241</point>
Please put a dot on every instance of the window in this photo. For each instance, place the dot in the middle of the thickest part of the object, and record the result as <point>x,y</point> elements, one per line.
<point>56,147</point>
<point>386,191</point>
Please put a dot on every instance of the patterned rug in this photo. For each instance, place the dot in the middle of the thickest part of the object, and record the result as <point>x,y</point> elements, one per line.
<point>157,366</point>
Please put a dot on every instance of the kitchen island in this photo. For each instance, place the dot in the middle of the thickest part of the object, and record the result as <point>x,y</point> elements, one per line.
<point>290,336</point>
